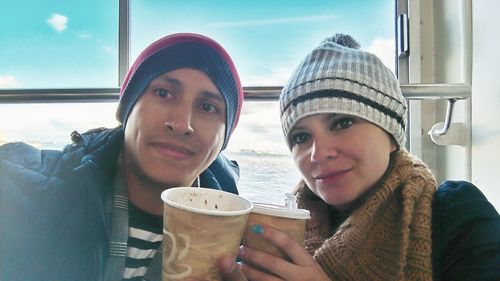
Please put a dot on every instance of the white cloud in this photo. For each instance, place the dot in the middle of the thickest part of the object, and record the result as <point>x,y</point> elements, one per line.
<point>58,22</point>
<point>260,22</point>
<point>84,36</point>
<point>384,49</point>
<point>276,76</point>
<point>109,49</point>
<point>259,129</point>
<point>8,81</point>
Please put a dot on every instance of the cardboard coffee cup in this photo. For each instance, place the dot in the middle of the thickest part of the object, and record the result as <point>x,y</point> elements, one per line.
<point>200,225</point>
<point>290,221</point>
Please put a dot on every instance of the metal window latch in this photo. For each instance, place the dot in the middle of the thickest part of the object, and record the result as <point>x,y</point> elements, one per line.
<point>403,44</point>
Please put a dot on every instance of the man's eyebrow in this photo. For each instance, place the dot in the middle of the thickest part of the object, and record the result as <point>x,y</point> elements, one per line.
<point>213,96</point>
<point>207,94</point>
<point>171,80</point>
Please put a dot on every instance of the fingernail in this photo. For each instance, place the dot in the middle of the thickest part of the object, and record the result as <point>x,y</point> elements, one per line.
<point>257,229</point>
<point>239,265</point>
<point>241,252</point>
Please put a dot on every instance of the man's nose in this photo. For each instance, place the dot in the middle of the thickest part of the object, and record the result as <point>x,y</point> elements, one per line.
<point>179,120</point>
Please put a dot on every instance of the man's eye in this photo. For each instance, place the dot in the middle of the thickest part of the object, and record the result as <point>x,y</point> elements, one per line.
<point>207,107</point>
<point>299,138</point>
<point>162,92</point>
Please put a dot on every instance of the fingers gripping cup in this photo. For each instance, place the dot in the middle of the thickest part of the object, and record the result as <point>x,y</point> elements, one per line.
<point>288,219</point>
<point>200,225</point>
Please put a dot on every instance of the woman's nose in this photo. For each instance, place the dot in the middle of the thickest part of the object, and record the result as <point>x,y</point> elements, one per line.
<point>323,149</point>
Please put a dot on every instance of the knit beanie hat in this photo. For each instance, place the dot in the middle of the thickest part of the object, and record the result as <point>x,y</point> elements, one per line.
<point>184,50</point>
<point>336,77</point>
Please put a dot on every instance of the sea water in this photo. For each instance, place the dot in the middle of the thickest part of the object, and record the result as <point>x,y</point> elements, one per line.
<point>265,177</point>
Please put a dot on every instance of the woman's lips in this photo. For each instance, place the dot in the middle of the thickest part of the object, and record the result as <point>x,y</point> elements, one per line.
<point>331,177</point>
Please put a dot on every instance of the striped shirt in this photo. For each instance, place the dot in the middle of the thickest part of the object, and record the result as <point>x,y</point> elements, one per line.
<point>144,241</point>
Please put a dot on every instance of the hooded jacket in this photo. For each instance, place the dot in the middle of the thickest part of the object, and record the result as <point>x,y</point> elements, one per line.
<point>52,218</point>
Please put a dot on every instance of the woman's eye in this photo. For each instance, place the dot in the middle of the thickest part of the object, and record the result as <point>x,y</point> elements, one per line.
<point>343,123</point>
<point>162,92</point>
<point>207,107</point>
<point>299,138</point>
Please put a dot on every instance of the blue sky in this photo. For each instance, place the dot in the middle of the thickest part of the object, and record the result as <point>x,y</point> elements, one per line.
<point>60,44</point>
<point>57,44</point>
<point>73,44</point>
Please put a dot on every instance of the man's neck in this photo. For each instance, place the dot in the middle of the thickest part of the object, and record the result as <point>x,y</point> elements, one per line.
<point>145,197</point>
<point>146,194</point>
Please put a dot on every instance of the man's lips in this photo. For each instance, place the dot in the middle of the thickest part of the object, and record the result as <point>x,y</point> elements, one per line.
<point>173,150</point>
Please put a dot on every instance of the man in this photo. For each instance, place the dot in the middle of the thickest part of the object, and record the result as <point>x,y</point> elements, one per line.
<point>93,211</point>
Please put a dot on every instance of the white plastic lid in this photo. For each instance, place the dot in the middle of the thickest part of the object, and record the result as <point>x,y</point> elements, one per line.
<point>280,211</point>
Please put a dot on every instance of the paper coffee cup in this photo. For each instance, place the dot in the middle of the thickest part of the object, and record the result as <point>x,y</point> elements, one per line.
<point>290,221</point>
<point>200,225</point>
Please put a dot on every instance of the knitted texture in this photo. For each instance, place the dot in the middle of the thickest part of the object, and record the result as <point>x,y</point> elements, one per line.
<point>388,237</point>
<point>184,50</point>
<point>337,79</point>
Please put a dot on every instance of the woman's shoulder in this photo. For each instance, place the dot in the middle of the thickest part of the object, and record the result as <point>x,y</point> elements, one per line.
<point>455,195</point>
<point>460,205</point>
<point>465,233</point>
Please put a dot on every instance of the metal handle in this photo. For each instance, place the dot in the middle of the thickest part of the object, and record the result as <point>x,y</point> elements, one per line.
<point>451,92</point>
<point>447,120</point>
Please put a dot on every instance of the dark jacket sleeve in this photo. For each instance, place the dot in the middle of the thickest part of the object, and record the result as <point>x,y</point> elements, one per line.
<point>31,229</point>
<point>466,234</point>
<point>52,224</point>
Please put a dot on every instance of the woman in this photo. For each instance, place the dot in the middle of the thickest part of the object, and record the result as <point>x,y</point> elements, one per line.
<point>377,213</point>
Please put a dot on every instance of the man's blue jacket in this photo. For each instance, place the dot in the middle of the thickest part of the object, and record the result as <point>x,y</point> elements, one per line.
<point>52,220</point>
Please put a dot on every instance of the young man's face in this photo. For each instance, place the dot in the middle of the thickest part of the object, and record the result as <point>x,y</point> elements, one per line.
<point>176,129</point>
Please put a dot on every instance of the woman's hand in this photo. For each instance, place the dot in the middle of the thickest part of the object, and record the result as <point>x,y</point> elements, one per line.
<point>229,269</point>
<point>301,266</point>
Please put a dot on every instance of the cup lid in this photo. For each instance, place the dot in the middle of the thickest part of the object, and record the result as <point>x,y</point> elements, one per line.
<point>280,211</point>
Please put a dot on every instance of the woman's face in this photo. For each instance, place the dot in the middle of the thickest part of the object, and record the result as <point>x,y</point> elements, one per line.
<point>341,157</point>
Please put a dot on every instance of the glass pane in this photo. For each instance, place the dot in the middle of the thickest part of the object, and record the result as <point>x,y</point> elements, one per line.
<point>49,125</point>
<point>267,39</point>
<point>257,144</point>
<point>58,44</point>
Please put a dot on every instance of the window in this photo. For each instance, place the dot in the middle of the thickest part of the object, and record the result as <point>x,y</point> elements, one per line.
<point>75,45</point>
<point>266,39</point>
<point>58,44</point>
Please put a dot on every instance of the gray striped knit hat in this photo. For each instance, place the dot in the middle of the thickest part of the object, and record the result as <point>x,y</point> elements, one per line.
<point>336,77</point>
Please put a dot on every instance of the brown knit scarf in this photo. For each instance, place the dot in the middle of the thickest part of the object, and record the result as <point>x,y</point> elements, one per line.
<point>388,237</point>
